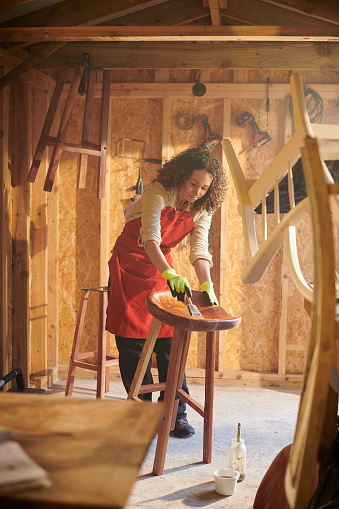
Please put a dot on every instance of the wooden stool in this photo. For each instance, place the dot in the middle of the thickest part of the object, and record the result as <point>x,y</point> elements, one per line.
<point>165,309</point>
<point>104,360</point>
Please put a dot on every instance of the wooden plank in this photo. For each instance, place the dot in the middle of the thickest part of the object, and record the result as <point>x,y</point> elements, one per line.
<point>39,257</point>
<point>69,13</point>
<point>257,12</point>
<point>173,33</point>
<point>86,126</point>
<point>215,13</point>
<point>105,219</point>
<point>327,11</point>
<point>53,277</point>
<point>176,12</point>
<point>239,55</point>
<point>221,341</point>
<point>29,63</point>
<point>20,159</point>
<point>5,366</point>
<point>161,75</point>
<point>214,90</point>
<point>166,130</point>
<point>104,112</point>
<point>6,5</point>
<point>284,276</point>
<point>37,78</point>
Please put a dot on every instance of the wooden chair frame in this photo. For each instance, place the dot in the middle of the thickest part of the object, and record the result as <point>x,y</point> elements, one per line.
<point>253,191</point>
<point>317,415</point>
<point>312,416</point>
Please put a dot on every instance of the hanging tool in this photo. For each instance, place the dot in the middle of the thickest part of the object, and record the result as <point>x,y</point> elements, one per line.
<point>128,148</point>
<point>267,98</point>
<point>260,138</point>
<point>193,310</point>
<point>210,139</point>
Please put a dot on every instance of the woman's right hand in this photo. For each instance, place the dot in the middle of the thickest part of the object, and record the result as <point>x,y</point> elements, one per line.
<point>177,284</point>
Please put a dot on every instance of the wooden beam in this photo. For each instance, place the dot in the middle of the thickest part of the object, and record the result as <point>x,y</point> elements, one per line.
<point>215,12</point>
<point>105,215</point>
<point>5,366</point>
<point>37,78</point>
<point>176,33</point>
<point>326,11</point>
<point>166,129</point>
<point>173,12</point>
<point>39,56</point>
<point>53,269</point>
<point>6,5</point>
<point>70,12</point>
<point>20,160</point>
<point>301,55</point>
<point>39,257</point>
<point>223,239</point>
<point>257,12</point>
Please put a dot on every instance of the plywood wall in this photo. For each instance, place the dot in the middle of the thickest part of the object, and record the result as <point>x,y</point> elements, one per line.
<point>253,346</point>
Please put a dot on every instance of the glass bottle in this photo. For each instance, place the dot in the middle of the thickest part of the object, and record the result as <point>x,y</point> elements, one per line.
<point>237,455</point>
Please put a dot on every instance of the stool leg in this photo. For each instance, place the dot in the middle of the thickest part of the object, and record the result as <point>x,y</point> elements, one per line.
<point>76,342</point>
<point>169,399</point>
<point>181,374</point>
<point>102,346</point>
<point>144,359</point>
<point>108,337</point>
<point>209,395</point>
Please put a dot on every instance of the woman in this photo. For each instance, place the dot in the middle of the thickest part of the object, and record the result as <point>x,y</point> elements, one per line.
<point>180,200</point>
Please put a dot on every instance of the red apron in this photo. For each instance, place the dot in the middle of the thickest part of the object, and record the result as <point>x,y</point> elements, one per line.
<point>133,275</point>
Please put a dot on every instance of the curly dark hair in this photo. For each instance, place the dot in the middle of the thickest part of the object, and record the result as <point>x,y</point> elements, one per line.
<point>177,170</point>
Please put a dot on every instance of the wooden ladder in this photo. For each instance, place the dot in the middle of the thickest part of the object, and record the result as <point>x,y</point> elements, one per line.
<point>86,147</point>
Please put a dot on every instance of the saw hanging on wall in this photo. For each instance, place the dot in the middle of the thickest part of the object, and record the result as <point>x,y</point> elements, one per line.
<point>129,148</point>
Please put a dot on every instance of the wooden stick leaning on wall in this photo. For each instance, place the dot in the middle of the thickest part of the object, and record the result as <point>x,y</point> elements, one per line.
<point>4,231</point>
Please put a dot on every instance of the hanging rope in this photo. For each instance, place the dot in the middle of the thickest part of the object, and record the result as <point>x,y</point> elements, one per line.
<point>314,105</point>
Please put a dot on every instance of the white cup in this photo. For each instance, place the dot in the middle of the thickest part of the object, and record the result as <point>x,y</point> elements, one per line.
<point>225,481</point>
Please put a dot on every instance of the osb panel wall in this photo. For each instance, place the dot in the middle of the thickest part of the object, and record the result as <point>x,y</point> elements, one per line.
<point>254,344</point>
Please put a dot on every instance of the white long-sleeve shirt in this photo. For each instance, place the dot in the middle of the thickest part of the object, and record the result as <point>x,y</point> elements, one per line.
<point>149,208</point>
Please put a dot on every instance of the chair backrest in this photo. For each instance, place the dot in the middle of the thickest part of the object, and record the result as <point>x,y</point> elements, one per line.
<point>253,192</point>
<point>323,336</point>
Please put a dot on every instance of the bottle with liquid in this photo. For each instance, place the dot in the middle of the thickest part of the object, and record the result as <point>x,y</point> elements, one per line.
<point>237,455</point>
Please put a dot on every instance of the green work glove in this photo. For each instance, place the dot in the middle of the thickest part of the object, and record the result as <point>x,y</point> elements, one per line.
<point>209,294</point>
<point>177,284</point>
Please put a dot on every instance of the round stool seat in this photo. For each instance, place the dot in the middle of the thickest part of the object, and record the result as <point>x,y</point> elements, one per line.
<point>169,310</point>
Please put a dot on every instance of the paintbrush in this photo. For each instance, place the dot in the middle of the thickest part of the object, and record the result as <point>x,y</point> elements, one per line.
<point>194,311</point>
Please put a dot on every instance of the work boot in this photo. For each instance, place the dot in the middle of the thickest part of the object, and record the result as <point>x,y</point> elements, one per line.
<point>183,429</point>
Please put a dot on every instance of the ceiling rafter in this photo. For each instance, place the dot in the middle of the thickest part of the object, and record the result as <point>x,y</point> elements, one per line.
<point>258,12</point>
<point>39,79</point>
<point>30,62</point>
<point>326,11</point>
<point>215,12</point>
<point>174,12</point>
<point>67,13</point>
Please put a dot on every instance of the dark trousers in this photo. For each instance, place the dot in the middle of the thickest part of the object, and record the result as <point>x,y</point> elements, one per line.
<point>129,354</point>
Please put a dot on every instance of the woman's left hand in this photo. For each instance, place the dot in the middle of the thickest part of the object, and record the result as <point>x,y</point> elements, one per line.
<point>209,294</point>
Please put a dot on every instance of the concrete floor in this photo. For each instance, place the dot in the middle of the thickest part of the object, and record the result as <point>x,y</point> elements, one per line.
<point>267,416</point>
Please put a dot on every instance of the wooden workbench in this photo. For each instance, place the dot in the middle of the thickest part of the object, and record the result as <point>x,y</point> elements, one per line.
<point>92,450</point>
